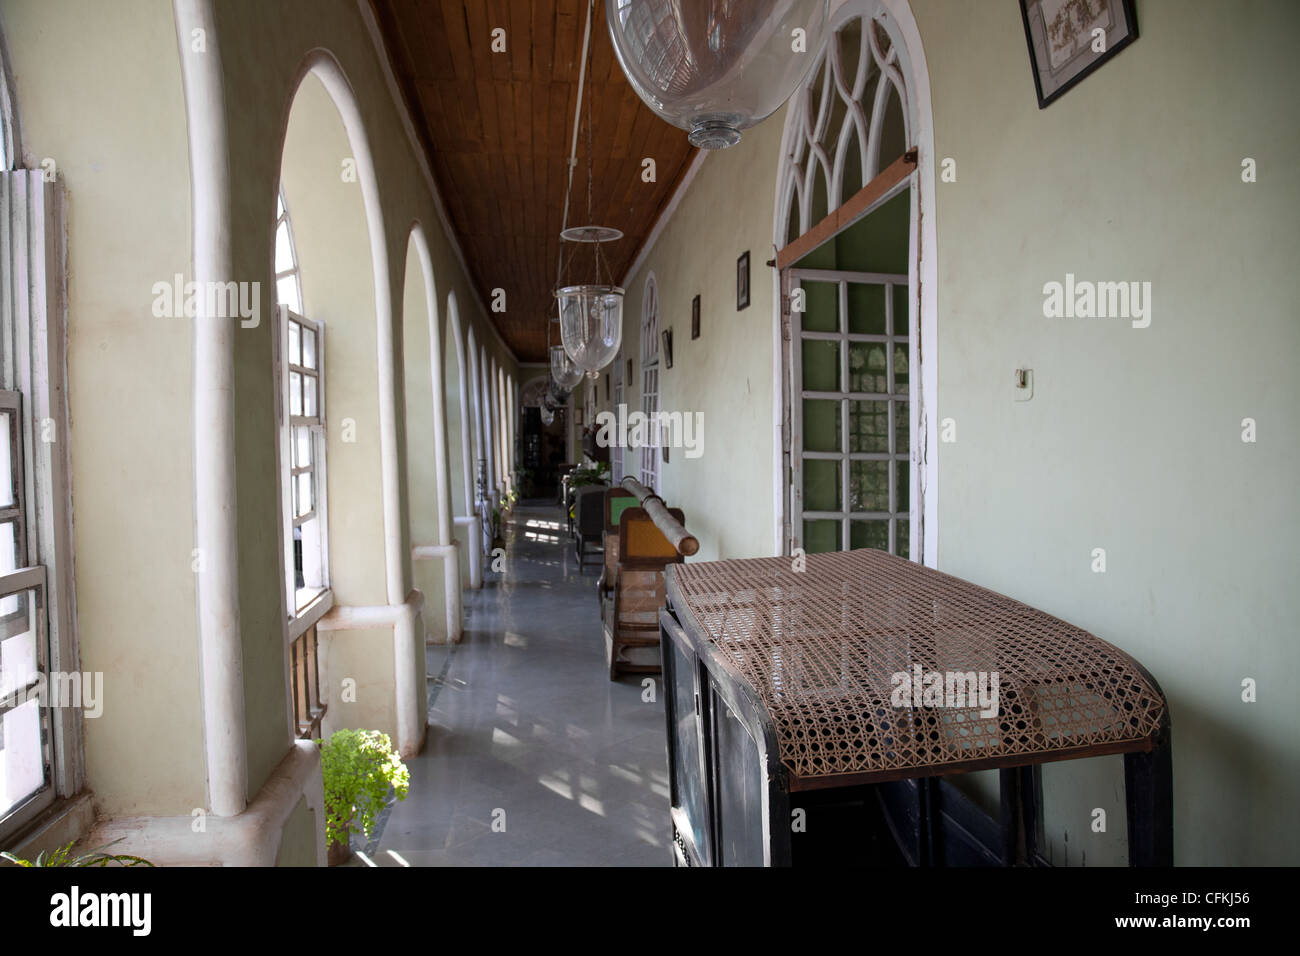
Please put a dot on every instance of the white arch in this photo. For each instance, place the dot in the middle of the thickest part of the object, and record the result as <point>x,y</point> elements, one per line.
<point>11,145</point>
<point>503,426</point>
<point>910,75</point>
<point>494,403</point>
<point>512,392</point>
<point>476,405</point>
<point>485,431</point>
<point>404,601</point>
<point>408,696</point>
<point>453,323</point>
<point>471,520</point>
<point>216,505</point>
<point>217,589</point>
<point>446,546</point>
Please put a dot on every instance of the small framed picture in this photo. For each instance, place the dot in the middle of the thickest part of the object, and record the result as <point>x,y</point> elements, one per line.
<point>628,377</point>
<point>1068,40</point>
<point>742,281</point>
<point>667,337</point>
<point>695,317</point>
<point>577,416</point>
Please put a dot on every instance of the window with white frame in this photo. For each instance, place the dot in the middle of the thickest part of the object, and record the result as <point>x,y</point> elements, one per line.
<point>41,686</point>
<point>305,428</point>
<point>650,378</point>
<point>25,717</point>
<point>288,284</point>
<point>301,382</point>
<point>616,452</point>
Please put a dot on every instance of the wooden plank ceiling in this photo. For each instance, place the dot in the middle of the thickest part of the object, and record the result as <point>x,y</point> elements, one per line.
<point>497,128</point>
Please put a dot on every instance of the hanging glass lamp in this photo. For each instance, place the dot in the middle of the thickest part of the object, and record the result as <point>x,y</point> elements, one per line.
<point>716,67</point>
<point>591,314</point>
<point>590,310</point>
<point>556,397</point>
<point>564,373</point>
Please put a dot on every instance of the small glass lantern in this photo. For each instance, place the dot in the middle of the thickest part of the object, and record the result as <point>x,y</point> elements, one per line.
<point>591,324</point>
<point>564,372</point>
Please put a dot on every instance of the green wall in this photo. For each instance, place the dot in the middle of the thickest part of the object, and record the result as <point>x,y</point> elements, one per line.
<point>1132,440</point>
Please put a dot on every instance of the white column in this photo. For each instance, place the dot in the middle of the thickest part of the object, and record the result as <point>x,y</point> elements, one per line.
<point>220,647</point>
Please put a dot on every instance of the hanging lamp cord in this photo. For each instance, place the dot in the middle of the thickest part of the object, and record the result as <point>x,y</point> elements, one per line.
<point>573,152</point>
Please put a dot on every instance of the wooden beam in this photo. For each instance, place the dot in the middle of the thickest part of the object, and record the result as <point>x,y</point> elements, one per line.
<point>849,211</point>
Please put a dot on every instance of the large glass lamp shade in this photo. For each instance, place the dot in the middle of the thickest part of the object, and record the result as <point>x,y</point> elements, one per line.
<point>564,373</point>
<point>591,324</point>
<point>715,67</point>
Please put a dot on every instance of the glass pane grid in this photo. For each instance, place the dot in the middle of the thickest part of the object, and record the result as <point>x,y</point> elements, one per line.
<point>855,463</point>
<point>25,748</point>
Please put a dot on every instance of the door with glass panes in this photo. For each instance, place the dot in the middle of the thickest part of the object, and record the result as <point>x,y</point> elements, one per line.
<point>852,484</point>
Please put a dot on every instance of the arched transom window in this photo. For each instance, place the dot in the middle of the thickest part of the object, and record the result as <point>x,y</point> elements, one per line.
<point>852,121</point>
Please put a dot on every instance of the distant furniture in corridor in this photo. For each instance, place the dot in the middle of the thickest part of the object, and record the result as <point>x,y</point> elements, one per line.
<point>589,521</point>
<point>635,593</point>
<point>617,500</point>
<point>562,481</point>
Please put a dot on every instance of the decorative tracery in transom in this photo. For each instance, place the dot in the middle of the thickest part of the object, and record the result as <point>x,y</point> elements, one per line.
<point>852,120</point>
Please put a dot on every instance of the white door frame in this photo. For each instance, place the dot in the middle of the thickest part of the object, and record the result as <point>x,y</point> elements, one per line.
<point>896,17</point>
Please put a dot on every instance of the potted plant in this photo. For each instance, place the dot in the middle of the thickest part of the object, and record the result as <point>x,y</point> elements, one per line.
<point>596,473</point>
<point>63,857</point>
<point>527,482</point>
<point>359,768</point>
<point>495,523</point>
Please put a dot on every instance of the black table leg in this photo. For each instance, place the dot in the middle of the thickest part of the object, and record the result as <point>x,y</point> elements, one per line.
<point>1149,789</point>
<point>1019,818</point>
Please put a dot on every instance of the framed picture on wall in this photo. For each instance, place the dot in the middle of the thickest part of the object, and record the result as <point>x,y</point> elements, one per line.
<point>695,317</point>
<point>742,281</point>
<point>577,416</point>
<point>1068,39</point>
<point>667,338</point>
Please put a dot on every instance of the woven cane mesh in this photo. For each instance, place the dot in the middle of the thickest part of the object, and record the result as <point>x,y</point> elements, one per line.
<point>822,649</point>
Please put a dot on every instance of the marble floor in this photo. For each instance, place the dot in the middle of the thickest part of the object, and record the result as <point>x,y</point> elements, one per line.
<point>534,757</point>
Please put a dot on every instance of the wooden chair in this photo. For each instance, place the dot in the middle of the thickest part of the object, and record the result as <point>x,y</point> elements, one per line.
<point>589,521</point>
<point>617,500</point>
<point>631,612</point>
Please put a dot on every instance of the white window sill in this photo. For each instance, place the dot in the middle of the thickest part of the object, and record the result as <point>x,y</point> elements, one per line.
<point>310,613</point>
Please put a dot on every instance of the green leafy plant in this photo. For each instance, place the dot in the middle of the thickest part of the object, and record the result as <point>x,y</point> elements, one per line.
<point>63,857</point>
<point>594,475</point>
<point>359,767</point>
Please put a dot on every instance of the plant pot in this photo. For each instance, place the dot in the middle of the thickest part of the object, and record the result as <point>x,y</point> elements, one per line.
<point>498,542</point>
<point>339,853</point>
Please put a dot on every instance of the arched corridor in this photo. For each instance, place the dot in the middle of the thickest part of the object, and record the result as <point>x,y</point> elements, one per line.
<point>641,433</point>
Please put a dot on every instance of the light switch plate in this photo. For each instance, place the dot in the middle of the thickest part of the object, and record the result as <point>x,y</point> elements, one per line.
<point>1024,384</point>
